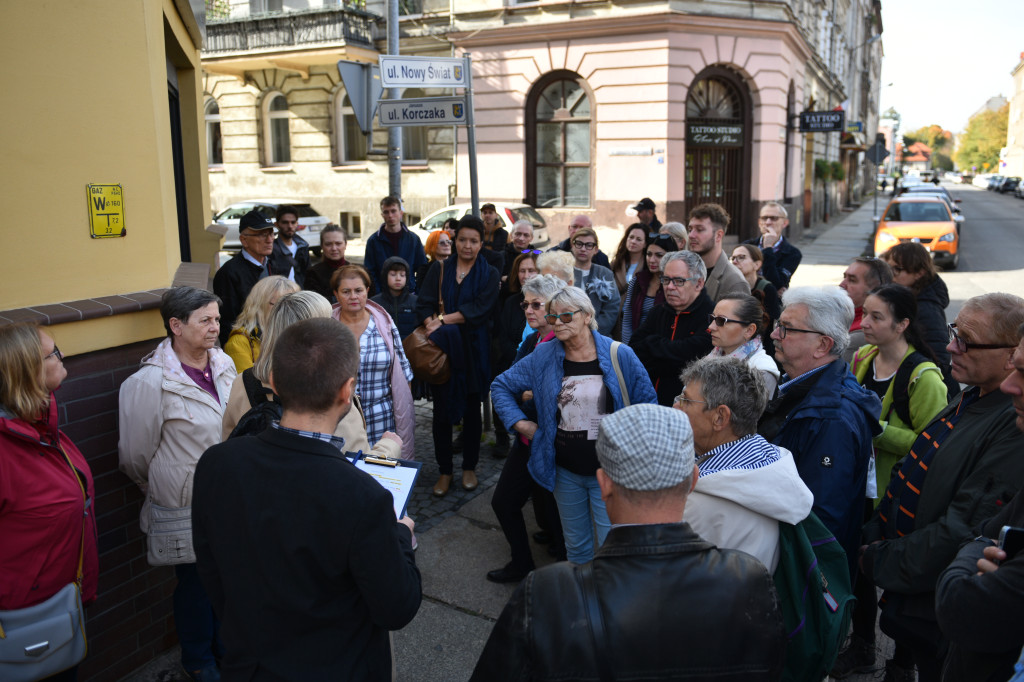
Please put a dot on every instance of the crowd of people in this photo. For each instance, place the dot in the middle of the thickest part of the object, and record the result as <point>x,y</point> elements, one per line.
<point>668,411</point>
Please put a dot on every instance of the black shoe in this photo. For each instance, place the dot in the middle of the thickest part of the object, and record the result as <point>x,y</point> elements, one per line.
<point>542,537</point>
<point>506,574</point>
<point>858,657</point>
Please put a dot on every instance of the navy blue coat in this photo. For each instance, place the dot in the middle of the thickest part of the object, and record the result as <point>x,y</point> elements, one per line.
<point>378,250</point>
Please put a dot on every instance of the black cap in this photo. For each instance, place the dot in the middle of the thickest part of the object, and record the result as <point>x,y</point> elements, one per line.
<point>644,204</point>
<point>488,207</point>
<point>254,220</point>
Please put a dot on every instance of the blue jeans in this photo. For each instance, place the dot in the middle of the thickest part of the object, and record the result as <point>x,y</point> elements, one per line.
<point>197,626</point>
<point>581,508</point>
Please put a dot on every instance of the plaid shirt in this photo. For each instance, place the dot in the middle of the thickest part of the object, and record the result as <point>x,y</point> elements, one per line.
<point>374,383</point>
<point>336,441</point>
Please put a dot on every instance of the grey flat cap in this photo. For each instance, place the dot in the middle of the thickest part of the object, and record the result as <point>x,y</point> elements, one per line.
<point>646,447</point>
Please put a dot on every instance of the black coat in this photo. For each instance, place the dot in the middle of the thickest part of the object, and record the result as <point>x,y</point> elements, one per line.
<point>779,266</point>
<point>668,341</point>
<point>233,282</point>
<point>674,607</point>
<point>282,261</point>
<point>304,591</point>
<point>318,279</point>
<point>508,332</point>
<point>931,318</point>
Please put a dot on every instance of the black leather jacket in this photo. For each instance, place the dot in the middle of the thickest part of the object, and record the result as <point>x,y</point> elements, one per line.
<point>674,608</point>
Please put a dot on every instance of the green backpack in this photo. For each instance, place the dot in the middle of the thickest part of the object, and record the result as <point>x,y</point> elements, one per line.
<point>813,584</point>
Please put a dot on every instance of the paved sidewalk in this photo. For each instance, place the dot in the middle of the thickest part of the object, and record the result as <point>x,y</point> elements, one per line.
<point>459,538</point>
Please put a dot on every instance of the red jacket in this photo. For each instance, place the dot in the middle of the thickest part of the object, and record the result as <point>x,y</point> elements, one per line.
<point>41,511</point>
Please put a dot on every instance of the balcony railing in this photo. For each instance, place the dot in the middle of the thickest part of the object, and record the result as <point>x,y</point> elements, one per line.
<point>279,29</point>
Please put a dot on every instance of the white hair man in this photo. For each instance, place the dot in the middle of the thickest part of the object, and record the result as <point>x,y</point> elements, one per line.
<point>822,415</point>
<point>781,258</point>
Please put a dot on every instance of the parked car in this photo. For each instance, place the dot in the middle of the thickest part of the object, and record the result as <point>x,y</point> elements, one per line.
<point>508,214</point>
<point>994,182</point>
<point>982,180</point>
<point>1009,184</point>
<point>942,193</point>
<point>966,179</point>
<point>1019,192</point>
<point>923,219</point>
<point>226,221</point>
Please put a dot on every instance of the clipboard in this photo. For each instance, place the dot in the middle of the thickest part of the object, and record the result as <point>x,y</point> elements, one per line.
<point>397,476</point>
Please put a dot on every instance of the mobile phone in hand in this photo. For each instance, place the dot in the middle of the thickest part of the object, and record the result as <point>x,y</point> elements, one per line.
<point>1011,540</point>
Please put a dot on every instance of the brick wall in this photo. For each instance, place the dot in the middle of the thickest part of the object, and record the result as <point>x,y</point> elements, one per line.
<point>131,621</point>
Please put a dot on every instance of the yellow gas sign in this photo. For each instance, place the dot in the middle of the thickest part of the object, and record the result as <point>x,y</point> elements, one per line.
<point>106,211</point>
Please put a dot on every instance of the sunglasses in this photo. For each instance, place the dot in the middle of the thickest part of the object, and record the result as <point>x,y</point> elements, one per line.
<point>564,318</point>
<point>535,252</point>
<point>444,243</point>
<point>536,305</point>
<point>721,320</point>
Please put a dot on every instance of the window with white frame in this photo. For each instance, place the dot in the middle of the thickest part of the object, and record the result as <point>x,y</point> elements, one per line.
<point>559,139</point>
<point>214,142</point>
<point>276,142</point>
<point>414,138</point>
<point>350,142</point>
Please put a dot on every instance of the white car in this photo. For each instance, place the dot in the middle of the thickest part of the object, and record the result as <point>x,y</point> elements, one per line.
<point>508,214</point>
<point>225,223</point>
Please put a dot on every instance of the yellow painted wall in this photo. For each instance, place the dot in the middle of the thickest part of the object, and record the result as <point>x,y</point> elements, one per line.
<point>85,93</point>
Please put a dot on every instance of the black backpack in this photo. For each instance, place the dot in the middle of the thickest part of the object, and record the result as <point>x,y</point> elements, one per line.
<point>264,408</point>
<point>901,386</point>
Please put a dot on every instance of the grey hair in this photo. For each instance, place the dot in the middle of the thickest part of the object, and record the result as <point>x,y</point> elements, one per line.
<point>678,232</point>
<point>731,382</point>
<point>1005,313</point>
<point>776,205</point>
<point>522,223</point>
<point>561,262</point>
<point>574,297</point>
<point>180,302</point>
<point>302,305</point>
<point>829,311</point>
<point>879,272</point>
<point>544,286</point>
<point>694,263</point>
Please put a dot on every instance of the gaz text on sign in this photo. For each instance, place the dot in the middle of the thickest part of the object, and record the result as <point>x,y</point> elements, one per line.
<point>425,111</point>
<point>704,135</point>
<point>411,72</point>
<point>106,211</point>
<point>823,122</point>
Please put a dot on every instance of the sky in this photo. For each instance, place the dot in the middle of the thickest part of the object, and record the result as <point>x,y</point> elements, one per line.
<point>945,58</point>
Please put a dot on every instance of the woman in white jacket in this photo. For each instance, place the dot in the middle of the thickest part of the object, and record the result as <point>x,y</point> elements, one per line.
<point>736,327</point>
<point>170,412</point>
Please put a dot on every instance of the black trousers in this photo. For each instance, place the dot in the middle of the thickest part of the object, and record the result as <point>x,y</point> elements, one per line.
<point>472,427</point>
<point>515,486</point>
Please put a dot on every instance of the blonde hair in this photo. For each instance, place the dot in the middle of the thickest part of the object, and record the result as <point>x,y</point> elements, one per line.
<point>560,263</point>
<point>678,232</point>
<point>574,297</point>
<point>302,305</point>
<point>251,316</point>
<point>22,385</point>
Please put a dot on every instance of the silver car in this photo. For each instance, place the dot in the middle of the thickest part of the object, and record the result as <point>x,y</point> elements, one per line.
<point>226,222</point>
<point>508,214</point>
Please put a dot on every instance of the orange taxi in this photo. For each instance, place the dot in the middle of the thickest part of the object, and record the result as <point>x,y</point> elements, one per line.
<point>926,220</point>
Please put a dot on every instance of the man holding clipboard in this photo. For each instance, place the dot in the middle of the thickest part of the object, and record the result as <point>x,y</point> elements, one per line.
<point>300,551</point>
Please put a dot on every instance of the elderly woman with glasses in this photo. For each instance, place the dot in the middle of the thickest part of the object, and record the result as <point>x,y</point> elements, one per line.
<point>575,384</point>
<point>644,290</point>
<point>438,249</point>
<point>736,327</point>
<point>47,524</point>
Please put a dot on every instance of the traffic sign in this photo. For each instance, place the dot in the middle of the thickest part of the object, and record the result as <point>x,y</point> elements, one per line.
<point>877,153</point>
<point>362,83</point>
<point>411,72</point>
<point>424,111</point>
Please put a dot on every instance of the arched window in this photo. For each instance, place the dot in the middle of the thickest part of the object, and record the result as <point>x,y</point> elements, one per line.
<point>276,142</point>
<point>214,143</point>
<point>350,142</point>
<point>559,141</point>
<point>414,138</point>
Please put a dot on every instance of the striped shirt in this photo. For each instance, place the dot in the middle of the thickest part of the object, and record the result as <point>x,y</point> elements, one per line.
<point>336,441</point>
<point>788,382</point>
<point>749,453</point>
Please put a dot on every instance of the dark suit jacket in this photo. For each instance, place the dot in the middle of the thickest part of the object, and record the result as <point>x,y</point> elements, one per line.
<point>780,265</point>
<point>302,558</point>
<point>233,282</point>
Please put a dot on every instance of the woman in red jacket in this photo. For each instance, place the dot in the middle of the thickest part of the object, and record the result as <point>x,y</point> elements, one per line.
<point>45,518</point>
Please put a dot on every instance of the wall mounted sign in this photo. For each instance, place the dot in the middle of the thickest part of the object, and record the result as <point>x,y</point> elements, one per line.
<point>423,111</point>
<point>823,122</point>
<point>106,211</point>
<point>705,135</point>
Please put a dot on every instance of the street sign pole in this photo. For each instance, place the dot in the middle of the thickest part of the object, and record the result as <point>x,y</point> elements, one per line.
<point>474,190</point>
<point>394,133</point>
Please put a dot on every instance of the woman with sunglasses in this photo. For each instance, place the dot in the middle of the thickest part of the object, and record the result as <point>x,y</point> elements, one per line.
<point>438,248</point>
<point>644,290</point>
<point>46,519</point>
<point>736,327</point>
<point>629,255</point>
<point>574,386</point>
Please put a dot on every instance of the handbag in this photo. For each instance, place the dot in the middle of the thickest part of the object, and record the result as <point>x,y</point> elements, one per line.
<point>44,639</point>
<point>429,363</point>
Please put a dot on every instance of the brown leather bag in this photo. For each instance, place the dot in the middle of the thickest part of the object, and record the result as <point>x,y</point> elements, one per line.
<point>429,363</point>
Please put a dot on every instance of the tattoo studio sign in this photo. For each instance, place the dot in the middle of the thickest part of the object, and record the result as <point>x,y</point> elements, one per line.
<point>823,121</point>
<point>705,135</point>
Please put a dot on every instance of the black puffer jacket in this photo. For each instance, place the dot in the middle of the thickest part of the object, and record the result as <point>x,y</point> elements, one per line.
<point>931,317</point>
<point>674,608</point>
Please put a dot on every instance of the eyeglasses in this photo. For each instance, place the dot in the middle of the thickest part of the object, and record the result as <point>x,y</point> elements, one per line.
<point>683,399</point>
<point>586,246</point>
<point>783,330</point>
<point>444,243</point>
<point>262,234</point>
<point>535,252</point>
<point>56,353</point>
<point>770,218</point>
<point>720,320</point>
<point>564,318</point>
<point>677,282</point>
<point>535,305</point>
<point>963,346</point>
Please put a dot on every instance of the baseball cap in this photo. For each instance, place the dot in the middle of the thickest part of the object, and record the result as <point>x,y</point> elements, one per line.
<point>646,447</point>
<point>254,220</point>
<point>488,207</point>
<point>644,204</point>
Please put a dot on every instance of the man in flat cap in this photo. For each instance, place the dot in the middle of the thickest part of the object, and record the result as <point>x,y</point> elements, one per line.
<point>657,601</point>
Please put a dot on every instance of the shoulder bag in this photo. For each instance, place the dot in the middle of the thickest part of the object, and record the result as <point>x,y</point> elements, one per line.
<point>429,363</point>
<point>44,639</point>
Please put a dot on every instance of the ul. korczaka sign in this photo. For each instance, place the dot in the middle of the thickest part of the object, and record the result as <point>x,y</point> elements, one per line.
<point>705,135</point>
<point>823,122</point>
